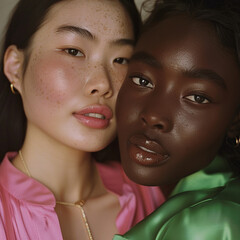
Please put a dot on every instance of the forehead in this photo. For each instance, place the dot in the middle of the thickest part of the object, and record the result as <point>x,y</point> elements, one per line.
<point>181,43</point>
<point>179,34</point>
<point>100,16</point>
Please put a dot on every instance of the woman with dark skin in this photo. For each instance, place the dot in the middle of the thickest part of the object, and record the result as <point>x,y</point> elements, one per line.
<point>62,65</point>
<point>178,120</point>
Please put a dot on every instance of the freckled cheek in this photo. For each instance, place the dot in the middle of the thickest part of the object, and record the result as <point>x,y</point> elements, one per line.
<point>118,78</point>
<point>54,81</point>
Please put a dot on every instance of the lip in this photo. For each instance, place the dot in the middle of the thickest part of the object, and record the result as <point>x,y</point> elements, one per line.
<point>87,118</point>
<point>146,152</point>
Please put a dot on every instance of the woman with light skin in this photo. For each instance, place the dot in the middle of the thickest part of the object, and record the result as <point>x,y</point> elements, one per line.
<point>178,115</point>
<point>62,66</point>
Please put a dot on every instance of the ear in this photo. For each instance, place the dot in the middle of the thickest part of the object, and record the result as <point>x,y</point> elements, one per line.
<point>13,62</point>
<point>234,129</point>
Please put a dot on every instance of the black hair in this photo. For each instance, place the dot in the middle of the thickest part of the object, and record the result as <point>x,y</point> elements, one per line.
<point>27,17</point>
<point>224,16</point>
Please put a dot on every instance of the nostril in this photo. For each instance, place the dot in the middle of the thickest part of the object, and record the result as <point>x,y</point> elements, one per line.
<point>144,121</point>
<point>158,126</point>
<point>155,122</point>
<point>94,91</point>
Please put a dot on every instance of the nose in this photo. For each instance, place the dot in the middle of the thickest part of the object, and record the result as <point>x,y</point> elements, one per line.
<point>157,116</point>
<point>99,82</point>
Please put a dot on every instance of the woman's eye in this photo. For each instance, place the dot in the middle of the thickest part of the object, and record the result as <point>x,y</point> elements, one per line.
<point>74,52</point>
<point>142,82</point>
<point>198,99</point>
<point>121,60</point>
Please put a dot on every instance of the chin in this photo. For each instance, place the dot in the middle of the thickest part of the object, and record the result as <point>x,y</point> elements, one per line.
<point>139,177</point>
<point>144,181</point>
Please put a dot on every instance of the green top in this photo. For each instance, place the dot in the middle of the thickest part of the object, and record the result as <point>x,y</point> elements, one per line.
<point>203,206</point>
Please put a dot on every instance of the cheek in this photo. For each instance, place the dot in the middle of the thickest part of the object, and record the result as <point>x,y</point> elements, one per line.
<point>119,76</point>
<point>128,121</point>
<point>197,137</point>
<point>50,79</point>
<point>124,105</point>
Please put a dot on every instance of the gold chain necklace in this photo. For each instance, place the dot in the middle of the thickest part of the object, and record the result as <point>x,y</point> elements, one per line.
<point>78,204</point>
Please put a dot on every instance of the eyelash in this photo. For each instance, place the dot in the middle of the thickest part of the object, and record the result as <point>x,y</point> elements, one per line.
<point>196,98</point>
<point>72,51</point>
<point>201,99</point>
<point>140,81</point>
<point>120,60</point>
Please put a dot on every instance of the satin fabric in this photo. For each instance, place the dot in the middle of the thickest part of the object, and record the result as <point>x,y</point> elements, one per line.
<point>203,206</point>
<point>27,207</point>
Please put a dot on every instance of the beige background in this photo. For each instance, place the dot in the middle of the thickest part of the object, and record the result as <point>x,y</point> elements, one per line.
<point>7,5</point>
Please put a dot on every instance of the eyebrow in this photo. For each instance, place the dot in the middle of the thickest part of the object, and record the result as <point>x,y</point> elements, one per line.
<point>124,41</point>
<point>76,30</point>
<point>206,74</point>
<point>145,58</point>
<point>86,34</point>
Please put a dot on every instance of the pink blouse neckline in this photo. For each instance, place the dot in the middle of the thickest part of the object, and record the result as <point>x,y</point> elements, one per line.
<point>29,189</point>
<point>34,192</point>
<point>136,201</point>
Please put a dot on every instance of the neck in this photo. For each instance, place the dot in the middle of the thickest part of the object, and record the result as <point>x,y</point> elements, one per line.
<point>167,189</point>
<point>69,174</point>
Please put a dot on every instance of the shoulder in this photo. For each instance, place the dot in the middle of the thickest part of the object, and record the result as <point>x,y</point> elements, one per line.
<point>211,211</point>
<point>225,205</point>
<point>204,214</point>
<point>215,217</point>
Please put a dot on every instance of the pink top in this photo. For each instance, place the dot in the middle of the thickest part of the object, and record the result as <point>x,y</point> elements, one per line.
<point>27,206</point>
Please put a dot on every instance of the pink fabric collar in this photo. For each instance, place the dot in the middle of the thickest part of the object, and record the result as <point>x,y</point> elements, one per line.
<point>28,189</point>
<point>136,201</point>
<point>31,190</point>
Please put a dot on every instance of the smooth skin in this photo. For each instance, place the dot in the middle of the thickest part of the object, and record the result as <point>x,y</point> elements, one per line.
<point>178,102</point>
<point>77,59</point>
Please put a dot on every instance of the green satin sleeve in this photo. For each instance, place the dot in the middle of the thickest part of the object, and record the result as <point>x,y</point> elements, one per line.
<point>190,225</point>
<point>212,214</point>
<point>208,221</point>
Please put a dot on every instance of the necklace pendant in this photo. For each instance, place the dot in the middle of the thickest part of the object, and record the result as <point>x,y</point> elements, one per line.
<point>80,203</point>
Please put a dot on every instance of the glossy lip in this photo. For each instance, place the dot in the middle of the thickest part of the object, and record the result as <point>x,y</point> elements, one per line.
<point>94,122</point>
<point>146,152</point>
